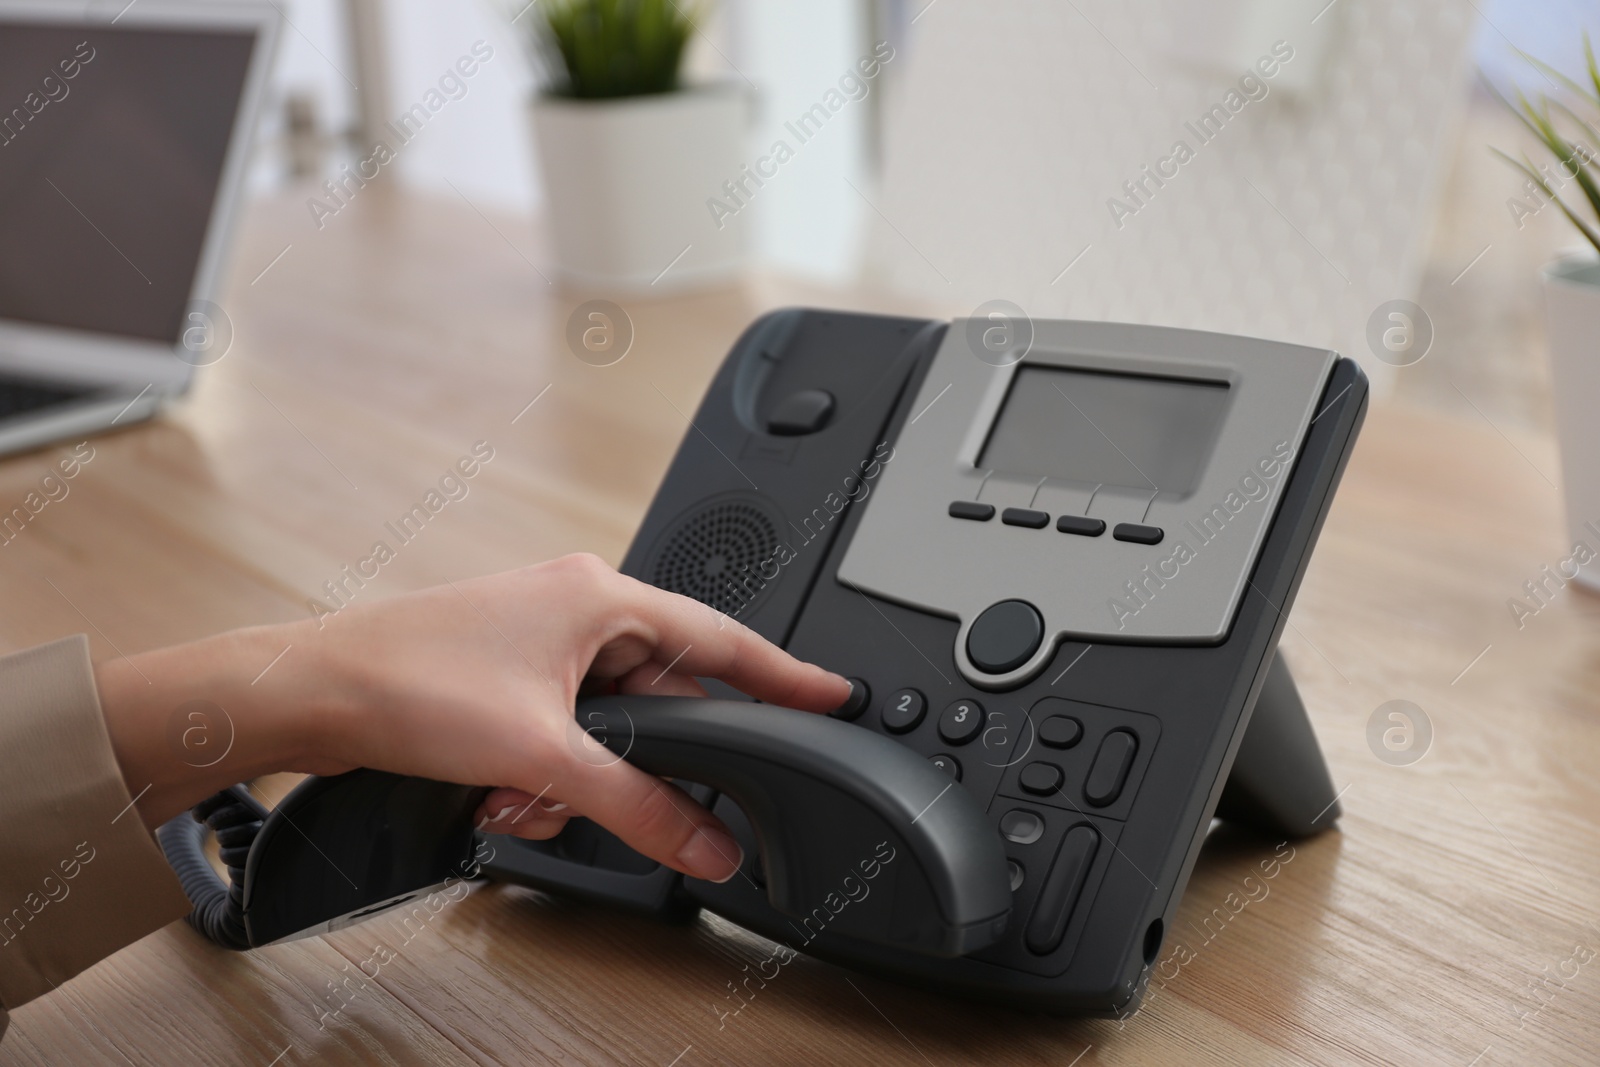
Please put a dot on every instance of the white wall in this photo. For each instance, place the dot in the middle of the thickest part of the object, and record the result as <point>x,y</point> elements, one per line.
<point>807,220</point>
<point>478,143</point>
<point>1019,125</point>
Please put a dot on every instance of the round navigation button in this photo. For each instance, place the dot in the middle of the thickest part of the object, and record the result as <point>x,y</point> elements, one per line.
<point>948,764</point>
<point>1005,636</point>
<point>961,722</point>
<point>903,710</point>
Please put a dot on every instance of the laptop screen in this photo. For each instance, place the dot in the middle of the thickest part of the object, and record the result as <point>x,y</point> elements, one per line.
<point>112,143</point>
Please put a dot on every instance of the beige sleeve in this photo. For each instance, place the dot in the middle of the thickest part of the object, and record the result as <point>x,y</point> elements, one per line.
<point>80,876</point>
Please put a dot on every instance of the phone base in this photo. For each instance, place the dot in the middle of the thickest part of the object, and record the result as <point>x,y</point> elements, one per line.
<point>1280,783</point>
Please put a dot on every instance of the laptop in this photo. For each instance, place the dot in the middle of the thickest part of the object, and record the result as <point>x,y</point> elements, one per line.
<point>124,135</point>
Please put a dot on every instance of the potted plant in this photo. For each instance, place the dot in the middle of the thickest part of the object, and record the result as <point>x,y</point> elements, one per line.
<point>1572,289</point>
<point>630,154</point>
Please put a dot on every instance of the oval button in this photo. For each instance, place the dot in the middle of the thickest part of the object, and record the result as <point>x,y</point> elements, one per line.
<point>1005,636</point>
<point>1040,778</point>
<point>1059,731</point>
<point>1110,768</point>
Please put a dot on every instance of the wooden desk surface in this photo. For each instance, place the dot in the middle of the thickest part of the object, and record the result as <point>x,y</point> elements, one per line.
<point>1453,919</point>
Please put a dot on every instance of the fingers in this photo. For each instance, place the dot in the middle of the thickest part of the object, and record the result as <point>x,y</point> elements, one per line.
<point>699,641</point>
<point>511,811</point>
<point>653,817</point>
<point>655,679</point>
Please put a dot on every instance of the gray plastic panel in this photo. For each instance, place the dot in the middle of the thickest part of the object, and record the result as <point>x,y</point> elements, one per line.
<point>1184,590</point>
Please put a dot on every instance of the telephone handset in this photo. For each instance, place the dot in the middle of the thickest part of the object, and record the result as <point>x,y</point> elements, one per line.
<point>1056,575</point>
<point>341,849</point>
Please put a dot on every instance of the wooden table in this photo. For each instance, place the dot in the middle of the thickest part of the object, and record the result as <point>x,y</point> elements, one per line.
<point>1450,921</point>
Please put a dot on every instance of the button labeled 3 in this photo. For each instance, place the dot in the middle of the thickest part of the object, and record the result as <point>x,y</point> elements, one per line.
<point>961,722</point>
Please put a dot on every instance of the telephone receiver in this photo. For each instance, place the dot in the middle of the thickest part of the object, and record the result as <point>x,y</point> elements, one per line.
<point>846,820</point>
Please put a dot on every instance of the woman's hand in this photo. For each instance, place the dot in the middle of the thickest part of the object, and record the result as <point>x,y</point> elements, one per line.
<point>472,682</point>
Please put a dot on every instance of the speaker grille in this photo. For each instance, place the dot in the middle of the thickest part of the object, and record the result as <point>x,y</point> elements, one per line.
<point>714,553</point>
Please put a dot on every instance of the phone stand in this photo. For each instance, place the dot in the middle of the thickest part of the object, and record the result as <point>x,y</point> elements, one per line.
<point>1280,784</point>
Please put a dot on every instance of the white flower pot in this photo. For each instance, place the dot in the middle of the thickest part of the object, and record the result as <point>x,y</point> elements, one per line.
<point>1572,315</point>
<point>626,183</point>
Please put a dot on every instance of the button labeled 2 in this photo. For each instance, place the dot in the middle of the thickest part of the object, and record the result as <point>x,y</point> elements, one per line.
<point>903,710</point>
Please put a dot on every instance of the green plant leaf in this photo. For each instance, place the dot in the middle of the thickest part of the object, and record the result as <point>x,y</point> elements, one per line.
<point>1526,167</point>
<point>1587,160</point>
<point>1582,90</point>
<point>615,48</point>
<point>1537,119</point>
<point>1594,69</point>
<point>1535,116</point>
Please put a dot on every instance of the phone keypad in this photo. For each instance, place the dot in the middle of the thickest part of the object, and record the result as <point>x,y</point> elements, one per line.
<point>1057,776</point>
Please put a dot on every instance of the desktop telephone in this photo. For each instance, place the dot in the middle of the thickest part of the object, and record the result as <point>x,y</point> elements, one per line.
<point>1055,572</point>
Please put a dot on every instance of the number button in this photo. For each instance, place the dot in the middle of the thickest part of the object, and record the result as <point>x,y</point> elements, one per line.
<point>961,722</point>
<point>860,696</point>
<point>948,764</point>
<point>903,711</point>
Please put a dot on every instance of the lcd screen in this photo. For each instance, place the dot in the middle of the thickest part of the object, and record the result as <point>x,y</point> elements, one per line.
<point>112,143</point>
<point>1134,431</point>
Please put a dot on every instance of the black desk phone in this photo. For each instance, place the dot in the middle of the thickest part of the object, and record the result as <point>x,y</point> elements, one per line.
<point>1056,575</point>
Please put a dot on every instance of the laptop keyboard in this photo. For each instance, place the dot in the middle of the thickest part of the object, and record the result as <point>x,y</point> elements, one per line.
<point>18,396</point>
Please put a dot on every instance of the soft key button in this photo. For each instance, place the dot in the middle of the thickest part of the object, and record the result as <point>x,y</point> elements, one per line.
<point>1138,533</point>
<point>1081,525</point>
<point>1029,517</point>
<point>971,509</point>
